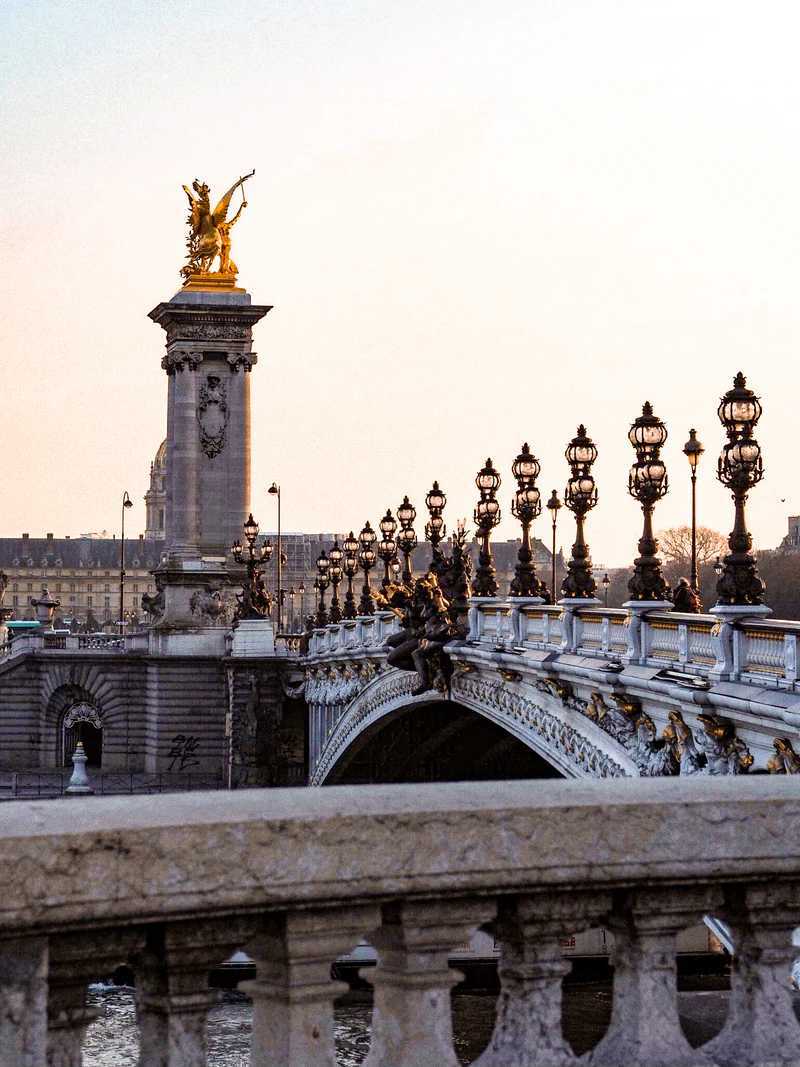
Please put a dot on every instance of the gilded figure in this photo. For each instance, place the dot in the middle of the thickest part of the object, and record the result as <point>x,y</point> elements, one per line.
<point>210,231</point>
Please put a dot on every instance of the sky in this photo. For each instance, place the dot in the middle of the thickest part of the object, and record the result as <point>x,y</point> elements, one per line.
<point>479,224</point>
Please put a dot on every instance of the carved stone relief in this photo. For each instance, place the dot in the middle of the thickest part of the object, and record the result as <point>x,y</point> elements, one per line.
<point>212,414</point>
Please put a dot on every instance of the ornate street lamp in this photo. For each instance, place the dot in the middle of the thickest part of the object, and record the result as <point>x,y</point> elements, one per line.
<point>435,528</point>
<point>693,450</point>
<point>335,557</point>
<point>323,581</point>
<point>254,601</point>
<point>740,468</point>
<point>301,589</point>
<point>366,560</point>
<point>648,483</point>
<point>486,517</point>
<point>292,595</point>
<point>350,567</point>
<point>126,503</point>
<point>554,505</point>
<point>406,538</point>
<point>387,546</point>
<point>580,497</point>
<point>526,506</point>
<point>606,582</point>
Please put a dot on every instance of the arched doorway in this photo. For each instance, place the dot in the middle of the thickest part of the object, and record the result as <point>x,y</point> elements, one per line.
<point>441,741</point>
<point>82,722</point>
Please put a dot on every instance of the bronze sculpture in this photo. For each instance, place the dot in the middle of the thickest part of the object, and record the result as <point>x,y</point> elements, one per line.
<point>210,234</point>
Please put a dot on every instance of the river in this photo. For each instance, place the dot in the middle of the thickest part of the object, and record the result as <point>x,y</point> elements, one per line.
<point>112,1040</point>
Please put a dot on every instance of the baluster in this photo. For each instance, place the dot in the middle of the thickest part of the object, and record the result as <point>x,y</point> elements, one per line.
<point>293,992</point>
<point>645,1029</point>
<point>23,1002</point>
<point>75,960</point>
<point>172,992</point>
<point>528,1030</point>
<point>411,1021</point>
<point>761,1028</point>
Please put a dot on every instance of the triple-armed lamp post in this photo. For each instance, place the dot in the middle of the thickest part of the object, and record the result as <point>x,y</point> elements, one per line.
<point>350,568</point>
<point>254,602</point>
<point>580,497</point>
<point>387,546</point>
<point>648,483</point>
<point>406,537</point>
<point>435,528</point>
<point>740,468</point>
<point>367,560</point>
<point>323,581</point>
<point>486,517</point>
<point>526,506</point>
<point>335,557</point>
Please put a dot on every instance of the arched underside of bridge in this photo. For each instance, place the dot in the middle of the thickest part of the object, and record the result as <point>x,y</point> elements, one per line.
<point>437,741</point>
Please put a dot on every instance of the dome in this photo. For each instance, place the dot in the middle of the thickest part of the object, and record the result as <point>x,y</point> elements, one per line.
<point>161,455</point>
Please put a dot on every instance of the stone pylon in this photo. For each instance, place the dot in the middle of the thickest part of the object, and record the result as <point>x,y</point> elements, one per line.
<point>208,362</point>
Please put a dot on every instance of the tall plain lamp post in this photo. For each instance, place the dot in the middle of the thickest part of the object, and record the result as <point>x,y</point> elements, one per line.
<point>126,503</point>
<point>605,583</point>
<point>275,490</point>
<point>554,505</point>
<point>693,450</point>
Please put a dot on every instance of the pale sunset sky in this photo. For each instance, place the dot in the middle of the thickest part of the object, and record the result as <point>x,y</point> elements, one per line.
<point>479,223</point>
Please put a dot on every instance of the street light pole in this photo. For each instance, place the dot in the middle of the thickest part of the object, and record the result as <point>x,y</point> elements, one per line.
<point>693,450</point>
<point>275,490</point>
<point>554,505</point>
<point>126,503</point>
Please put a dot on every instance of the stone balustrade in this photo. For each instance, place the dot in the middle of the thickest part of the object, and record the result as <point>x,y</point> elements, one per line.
<point>173,885</point>
<point>764,653</point>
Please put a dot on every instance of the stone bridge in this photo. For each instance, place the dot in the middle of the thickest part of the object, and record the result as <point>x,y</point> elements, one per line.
<point>588,693</point>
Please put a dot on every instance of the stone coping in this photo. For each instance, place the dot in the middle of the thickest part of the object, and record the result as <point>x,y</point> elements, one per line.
<point>107,861</point>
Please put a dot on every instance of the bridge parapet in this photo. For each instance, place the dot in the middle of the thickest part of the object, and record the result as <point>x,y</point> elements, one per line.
<point>297,877</point>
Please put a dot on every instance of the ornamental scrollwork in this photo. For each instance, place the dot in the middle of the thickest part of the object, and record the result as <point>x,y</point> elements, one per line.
<point>241,361</point>
<point>83,713</point>
<point>177,359</point>
<point>212,414</point>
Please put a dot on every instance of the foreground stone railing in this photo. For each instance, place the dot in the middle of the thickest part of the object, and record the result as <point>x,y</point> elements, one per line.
<point>764,653</point>
<point>296,878</point>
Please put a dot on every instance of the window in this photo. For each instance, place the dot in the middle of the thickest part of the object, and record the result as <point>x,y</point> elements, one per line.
<point>89,587</point>
<point>72,587</point>
<point>89,601</point>
<point>108,602</point>
<point>15,601</point>
<point>58,587</point>
<point>30,587</point>
<point>106,588</point>
<point>135,587</point>
<point>15,587</point>
<point>108,573</point>
<point>72,600</point>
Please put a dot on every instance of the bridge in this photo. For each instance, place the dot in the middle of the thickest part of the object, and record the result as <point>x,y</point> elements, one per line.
<point>583,692</point>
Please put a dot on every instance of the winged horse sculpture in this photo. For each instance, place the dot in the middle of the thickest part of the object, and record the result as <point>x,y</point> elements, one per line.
<point>209,231</point>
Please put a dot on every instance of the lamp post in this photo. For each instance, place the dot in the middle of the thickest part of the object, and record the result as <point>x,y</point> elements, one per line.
<point>435,528</point>
<point>366,559</point>
<point>126,503</point>
<point>526,506</point>
<point>486,517</point>
<point>740,468</point>
<point>254,601</point>
<point>554,505</point>
<point>387,546</point>
<point>350,566</point>
<point>693,450</point>
<point>335,557</point>
<point>323,581</point>
<point>407,538</point>
<point>292,595</point>
<point>648,483</point>
<point>275,490</point>
<point>606,582</point>
<point>580,497</point>
<point>301,589</point>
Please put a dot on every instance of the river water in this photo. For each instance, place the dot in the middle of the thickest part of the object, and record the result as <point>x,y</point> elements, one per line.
<point>112,1041</point>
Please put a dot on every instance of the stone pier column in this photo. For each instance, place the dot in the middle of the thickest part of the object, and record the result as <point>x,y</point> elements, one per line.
<point>411,1020</point>
<point>293,993</point>
<point>645,1027</point>
<point>23,1002</point>
<point>182,519</point>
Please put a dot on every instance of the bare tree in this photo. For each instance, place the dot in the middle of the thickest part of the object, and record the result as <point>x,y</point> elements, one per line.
<point>676,544</point>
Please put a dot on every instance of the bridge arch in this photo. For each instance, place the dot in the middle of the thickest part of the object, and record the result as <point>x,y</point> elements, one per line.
<point>564,748</point>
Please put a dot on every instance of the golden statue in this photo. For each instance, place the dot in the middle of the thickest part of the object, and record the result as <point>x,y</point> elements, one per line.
<point>210,237</point>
